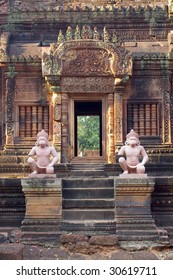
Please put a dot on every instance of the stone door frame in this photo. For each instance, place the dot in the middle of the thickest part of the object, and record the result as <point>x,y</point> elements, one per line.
<point>90,98</point>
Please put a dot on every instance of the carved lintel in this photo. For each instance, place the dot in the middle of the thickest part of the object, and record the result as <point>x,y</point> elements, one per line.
<point>87,84</point>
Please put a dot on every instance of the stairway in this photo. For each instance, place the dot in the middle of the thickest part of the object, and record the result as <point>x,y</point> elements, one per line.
<point>87,170</point>
<point>88,205</point>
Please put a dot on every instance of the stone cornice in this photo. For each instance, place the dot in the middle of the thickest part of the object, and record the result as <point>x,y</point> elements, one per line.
<point>122,10</point>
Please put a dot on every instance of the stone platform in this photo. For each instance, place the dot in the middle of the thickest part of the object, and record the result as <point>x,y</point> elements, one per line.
<point>133,215</point>
<point>43,214</point>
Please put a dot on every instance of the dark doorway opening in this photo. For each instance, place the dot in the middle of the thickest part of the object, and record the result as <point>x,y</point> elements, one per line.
<point>88,128</point>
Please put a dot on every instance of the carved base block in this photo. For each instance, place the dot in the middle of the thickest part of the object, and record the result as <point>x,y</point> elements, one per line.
<point>128,176</point>
<point>133,217</point>
<point>40,176</point>
<point>43,206</point>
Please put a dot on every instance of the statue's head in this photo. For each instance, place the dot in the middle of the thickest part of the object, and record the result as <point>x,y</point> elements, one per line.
<point>132,138</point>
<point>42,139</point>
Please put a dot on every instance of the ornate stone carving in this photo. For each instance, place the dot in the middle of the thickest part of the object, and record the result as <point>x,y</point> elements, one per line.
<point>61,38</point>
<point>69,33</point>
<point>87,56</point>
<point>27,88</point>
<point>166,97</point>
<point>51,65</point>
<point>86,32</point>
<point>118,114</point>
<point>4,38</point>
<point>87,62</point>
<point>110,135</point>
<point>77,33</point>
<point>9,111</point>
<point>57,132</point>
<point>87,84</point>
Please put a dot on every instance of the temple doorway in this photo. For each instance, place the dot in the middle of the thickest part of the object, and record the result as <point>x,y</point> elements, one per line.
<point>88,129</point>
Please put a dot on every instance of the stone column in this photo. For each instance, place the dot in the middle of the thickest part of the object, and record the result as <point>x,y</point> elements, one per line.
<point>133,217</point>
<point>43,198</point>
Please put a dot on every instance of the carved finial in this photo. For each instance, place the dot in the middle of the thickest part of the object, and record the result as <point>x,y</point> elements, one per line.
<point>69,34</point>
<point>77,33</point>
<point>61,38</point>
<point>114,38</point>
<point>86,32</point>
<point>96,35</point>
<point>106,35</point>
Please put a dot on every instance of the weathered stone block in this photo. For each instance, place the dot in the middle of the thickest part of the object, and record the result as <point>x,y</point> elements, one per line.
<point>43,198</point>
<point>103,240</point>
<point>43,208</point>
<point>11,251</point>
<point>133,209</point>
<point>73,238</point>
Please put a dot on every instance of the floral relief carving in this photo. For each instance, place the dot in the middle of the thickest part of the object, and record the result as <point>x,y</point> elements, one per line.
<point>27,89</point>
<point>86,62</point>
<point>87,84</point>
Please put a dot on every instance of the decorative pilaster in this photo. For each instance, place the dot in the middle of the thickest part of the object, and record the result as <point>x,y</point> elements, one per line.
<point>111,147</point>
<point>10,82</point>
<point>118,111</point>
<point>133,217</point>
<point>54,83</point>
<point>166,85</point>
<point>57,121</point>
<point>65,123</point>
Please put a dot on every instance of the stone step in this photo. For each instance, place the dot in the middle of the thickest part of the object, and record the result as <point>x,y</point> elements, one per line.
<point>137,237</point>
<point>89,227</point>
<point>88,173</point>
<point>88,203</point>
<point>88,193</point>
<point>86,214</point>
<point>137,232</point>
<point>87,166</point>
<point>87,183</point>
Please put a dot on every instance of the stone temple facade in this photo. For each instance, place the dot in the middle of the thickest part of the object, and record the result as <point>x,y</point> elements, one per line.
<point>61,59</point>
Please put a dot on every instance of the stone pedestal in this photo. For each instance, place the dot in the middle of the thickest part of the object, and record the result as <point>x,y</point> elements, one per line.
<point>133,217</point>
<point>43,214</point>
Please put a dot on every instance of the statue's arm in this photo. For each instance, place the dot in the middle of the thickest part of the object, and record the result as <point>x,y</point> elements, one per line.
<point>32,152</point>
<point>121,151</point>
<point>145,156</point>
<point>55,157</point>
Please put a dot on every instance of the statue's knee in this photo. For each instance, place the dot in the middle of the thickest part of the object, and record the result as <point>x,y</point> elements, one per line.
<point>31,160</point>
<point>140,169</point>
<point>49,170</point>
<point>121,160</point>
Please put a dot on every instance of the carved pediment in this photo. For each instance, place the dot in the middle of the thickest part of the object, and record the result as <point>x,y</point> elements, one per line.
<point>87,62</point>
<point>79,56</point>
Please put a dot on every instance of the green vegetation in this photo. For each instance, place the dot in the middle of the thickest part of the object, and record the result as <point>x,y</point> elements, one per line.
<point>88,132</point>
